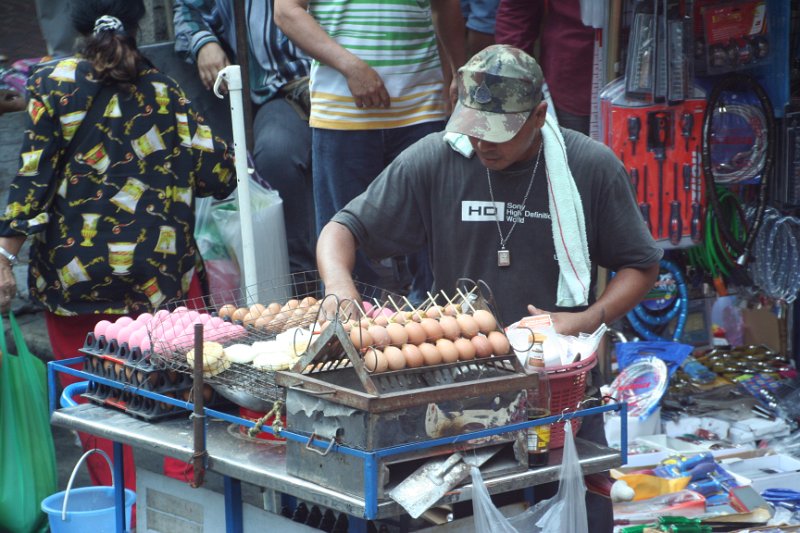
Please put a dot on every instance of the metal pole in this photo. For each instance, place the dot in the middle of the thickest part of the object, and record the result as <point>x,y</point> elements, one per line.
<point>231,75</point>
<point>242,55</point>
<point>199,419</point>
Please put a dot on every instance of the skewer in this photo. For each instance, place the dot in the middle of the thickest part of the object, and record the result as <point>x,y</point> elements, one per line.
<point>465,297</point>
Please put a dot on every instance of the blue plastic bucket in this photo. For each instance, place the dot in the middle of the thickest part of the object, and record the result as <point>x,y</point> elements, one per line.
<point>87,509</point>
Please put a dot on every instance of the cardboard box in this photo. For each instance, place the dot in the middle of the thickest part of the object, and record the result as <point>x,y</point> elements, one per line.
<point>767,472</point>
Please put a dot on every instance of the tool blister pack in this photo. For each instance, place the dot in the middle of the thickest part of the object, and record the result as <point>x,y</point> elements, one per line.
<point>730,35</point>
<point>660,148</point>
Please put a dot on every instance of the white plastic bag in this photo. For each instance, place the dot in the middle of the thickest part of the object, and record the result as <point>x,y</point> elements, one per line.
<point>272,254</point>
<point>566,511</point>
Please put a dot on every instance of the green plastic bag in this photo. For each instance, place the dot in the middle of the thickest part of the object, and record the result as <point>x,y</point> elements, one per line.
<point>27,457</point>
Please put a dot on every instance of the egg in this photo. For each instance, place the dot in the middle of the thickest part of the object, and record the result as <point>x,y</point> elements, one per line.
<point>399,318</point>
<point>360,338</point>
<point>226,311</point>
<point>123,321</point>
<point>433,331</point>
<point>239,314</point>
<point>375,361</point>
<point>135,338</point>
<point>380,336</point>
<point>292,304</point>
<point>261,323</point>
<point>430,354</point>
<point>111,331</point>
<point>161,314</point>
<point>450,310</point>
<point>448,350</point>
<point>469,328</point>
<point>381,320</point>
<point>274,308</point>
<point>466,350</point>
<point>483,348</point>
<point>308,301</point>
<point>413,354</point>
<point>395,358</point>
<point>100,328</point>
<point>256,310</point>
<point>486,321</point>
<point>433,311</point>
<point>397,334</point>
<point>367,307</point>
<point>450,327</point>
<point>499,342</point>
<point>416,335</point>
<point>144,318</point>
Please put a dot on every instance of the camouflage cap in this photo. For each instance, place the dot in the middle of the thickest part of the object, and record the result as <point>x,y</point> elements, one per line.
<point>497,90</point>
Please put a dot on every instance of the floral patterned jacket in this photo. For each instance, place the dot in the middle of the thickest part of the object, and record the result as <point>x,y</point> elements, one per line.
<point>106,187</point>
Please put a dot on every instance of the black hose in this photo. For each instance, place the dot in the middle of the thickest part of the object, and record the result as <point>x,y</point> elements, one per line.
<point>743,249</point>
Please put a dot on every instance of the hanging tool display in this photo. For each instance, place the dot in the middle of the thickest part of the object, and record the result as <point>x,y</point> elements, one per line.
<point>668,134</point>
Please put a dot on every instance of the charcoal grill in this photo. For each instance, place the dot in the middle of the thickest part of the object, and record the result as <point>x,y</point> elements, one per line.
<point>331,396</point>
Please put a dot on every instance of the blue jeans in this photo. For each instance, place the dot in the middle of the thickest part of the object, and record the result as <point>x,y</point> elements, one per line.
<point>345,163</point>
<point>282,155</point>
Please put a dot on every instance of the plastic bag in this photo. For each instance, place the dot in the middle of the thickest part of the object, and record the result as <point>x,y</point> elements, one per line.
<point>566,511</point>
<point>27,457</point>
<point>222,269</point>
<point>272,254</point>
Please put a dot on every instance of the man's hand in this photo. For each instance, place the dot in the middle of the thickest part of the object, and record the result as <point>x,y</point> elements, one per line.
<point>8,286</point>
<point>210,60</point>
<point>571,323</point>
<point>346,296</point>
<point>366,85</point>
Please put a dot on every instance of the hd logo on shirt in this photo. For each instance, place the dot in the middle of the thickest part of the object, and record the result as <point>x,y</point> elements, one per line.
<point>482,211</point>
<point>474,211</point>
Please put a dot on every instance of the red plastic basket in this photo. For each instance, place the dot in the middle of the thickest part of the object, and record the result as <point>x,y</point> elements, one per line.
<point>567,388</point>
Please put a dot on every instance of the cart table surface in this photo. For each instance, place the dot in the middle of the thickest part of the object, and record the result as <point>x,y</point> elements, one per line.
<point>263,463</point>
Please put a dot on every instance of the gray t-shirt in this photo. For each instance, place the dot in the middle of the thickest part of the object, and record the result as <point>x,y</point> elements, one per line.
<point>432,196</point>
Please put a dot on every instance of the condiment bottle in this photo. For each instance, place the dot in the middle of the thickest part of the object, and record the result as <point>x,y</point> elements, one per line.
<point>539,407</point>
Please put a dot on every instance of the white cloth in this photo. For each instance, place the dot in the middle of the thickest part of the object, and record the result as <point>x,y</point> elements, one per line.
<point>566,215</point>
<point>567,221</point>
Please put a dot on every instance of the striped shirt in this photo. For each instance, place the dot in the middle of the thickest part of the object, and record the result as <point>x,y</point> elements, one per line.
<point>273,59</point>
<point>397,39</point>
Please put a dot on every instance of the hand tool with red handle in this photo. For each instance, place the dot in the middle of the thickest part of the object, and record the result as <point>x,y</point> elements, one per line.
<point>658,128</point>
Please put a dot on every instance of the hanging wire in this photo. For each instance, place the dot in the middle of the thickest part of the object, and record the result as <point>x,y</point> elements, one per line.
<point>776,253</point>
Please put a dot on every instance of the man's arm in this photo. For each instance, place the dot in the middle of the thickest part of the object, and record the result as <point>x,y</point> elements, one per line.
<point>365,84</point>
<point>622,294</point>
<point>195,40</point>
<point>336,257</point>
<point>450,29</point>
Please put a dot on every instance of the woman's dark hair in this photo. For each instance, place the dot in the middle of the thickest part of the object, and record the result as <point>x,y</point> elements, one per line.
<point>113,52</point>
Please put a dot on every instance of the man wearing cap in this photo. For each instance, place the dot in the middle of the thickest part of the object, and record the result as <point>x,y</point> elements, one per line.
<point>481,203</point>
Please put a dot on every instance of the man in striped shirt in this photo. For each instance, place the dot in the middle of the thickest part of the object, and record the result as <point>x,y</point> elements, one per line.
<point>377,86</point>
<point>205,33</point>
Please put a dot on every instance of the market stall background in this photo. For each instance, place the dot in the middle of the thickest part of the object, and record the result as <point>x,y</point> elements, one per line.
<point>24,26</point>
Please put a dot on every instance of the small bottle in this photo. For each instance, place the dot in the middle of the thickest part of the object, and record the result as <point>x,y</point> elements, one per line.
<point>539,407</point>
<point>535,359</point>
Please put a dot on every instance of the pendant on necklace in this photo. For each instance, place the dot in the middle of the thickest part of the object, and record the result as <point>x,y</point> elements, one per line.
<point>503,258</point>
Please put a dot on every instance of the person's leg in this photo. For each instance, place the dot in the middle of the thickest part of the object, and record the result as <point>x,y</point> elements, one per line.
<point>67,335</point>
<point>573,122</point>
<point>345,163</point>
<point>282,154</point>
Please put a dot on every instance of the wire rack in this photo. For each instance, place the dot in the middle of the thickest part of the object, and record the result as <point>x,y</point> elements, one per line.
<point>282,309</point>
